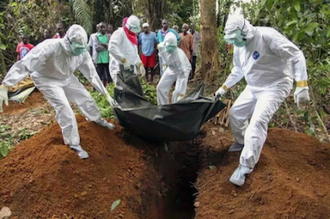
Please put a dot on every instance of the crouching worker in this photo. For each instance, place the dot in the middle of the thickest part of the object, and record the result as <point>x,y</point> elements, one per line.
<point>269,62</point>
<point>176,68</point>
<point>51,65</point>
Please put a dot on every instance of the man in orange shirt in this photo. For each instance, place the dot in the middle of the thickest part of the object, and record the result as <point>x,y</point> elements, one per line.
<point>187,42</point>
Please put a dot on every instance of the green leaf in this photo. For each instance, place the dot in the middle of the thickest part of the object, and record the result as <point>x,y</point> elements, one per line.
<point>263,2</point>
<point>270,4</point>
<point>115,204</point>
<point>291,22</point>
<point>2,47</point>
<point>4,150</point>
<point>328,34</point>
<point>296,5</point>
<point>310,28</point>
<point>83,14</point>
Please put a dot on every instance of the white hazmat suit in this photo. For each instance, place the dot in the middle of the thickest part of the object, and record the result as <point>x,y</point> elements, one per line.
<point>269,62</point>
<point>177,70</point>
<point>51,65</point>
<point>123,51</point>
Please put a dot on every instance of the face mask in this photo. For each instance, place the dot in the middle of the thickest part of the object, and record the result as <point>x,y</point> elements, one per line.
<point>170,49</point>
<point>235,38</point>
<point>78,49</point>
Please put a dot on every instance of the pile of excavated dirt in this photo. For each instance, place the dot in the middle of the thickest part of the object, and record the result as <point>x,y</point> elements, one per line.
<point>34,100</point>
<point>291,179</point>
<point>42,178</point>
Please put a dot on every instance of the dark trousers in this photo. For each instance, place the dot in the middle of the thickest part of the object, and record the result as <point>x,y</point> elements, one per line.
<point>103,71</point>
<point>193,67</point>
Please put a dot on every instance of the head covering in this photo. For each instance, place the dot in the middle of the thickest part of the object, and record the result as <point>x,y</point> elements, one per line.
<point>237,22</point>
<point>145,25</point>
<point>131,28</point>
<point>170,39</point>
<point>75,34</point>
<point>125,20</point>
<point>133,24</point>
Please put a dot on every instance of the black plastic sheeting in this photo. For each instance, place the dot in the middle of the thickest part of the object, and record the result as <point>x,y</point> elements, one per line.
<point>174,122</point>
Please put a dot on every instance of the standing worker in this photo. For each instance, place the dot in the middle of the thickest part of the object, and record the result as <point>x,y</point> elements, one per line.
<point>176,69</point>
<point>269,62</point>
<point>123,48</point>
<point>51,65</point>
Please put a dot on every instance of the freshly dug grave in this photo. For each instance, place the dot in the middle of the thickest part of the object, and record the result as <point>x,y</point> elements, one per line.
<point>291,180</point>
<point>42,178</point>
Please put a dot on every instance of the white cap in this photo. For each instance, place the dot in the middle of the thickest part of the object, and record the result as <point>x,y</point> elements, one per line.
<point>145,25</point>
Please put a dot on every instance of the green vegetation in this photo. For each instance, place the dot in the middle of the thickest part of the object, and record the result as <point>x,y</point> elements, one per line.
<point>105,108</point>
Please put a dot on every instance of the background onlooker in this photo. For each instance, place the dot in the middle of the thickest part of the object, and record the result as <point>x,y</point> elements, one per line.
<point>110,29</point>
<point>101,46</point>
<point>187,42</point>
<point>148,42</point>
<point>91,43</point>
<point>23,47</point>
<point>176,28</point>
<point>60,31</point>
<point>196,38</point>
<point>47,34</point>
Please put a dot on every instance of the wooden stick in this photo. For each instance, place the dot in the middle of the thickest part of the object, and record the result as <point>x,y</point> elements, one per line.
<point>227,114</point>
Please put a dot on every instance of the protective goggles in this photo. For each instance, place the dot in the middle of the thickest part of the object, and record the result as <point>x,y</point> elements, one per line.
<point>78,48</point>
<point>134,28</point>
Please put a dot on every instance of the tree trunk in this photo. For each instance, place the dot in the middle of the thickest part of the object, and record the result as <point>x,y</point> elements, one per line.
<point>3,71</point>
<point>209,42</point>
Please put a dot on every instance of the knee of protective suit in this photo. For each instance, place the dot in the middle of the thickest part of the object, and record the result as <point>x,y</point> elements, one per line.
<point>233,113</point>
<point>161,88</point>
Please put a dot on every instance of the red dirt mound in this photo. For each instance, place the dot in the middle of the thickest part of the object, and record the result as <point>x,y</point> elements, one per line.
<point>34,100</point>
<point>291,180</point>
<point>42,178</point>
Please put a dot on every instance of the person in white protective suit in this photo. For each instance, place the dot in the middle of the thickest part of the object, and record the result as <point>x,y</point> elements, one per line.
<point>269,62</point>
<point>51,65</point>
<point>176,68</point>
<point>123,48</point>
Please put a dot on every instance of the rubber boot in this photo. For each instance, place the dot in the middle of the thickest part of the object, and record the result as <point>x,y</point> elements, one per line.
<point>81,152</point>
<point>106,124</point>
<point>239,175</point>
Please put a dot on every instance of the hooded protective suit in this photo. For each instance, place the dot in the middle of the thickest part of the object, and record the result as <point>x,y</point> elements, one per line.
<point>178,69</point>
<point>51,65</point>
<point>269,62</point>
<point>122,50</point>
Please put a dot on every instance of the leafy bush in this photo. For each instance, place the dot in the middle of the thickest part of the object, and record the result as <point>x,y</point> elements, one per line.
<point>105,108</point>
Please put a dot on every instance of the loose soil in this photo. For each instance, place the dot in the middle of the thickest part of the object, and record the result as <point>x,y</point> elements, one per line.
<point>42,178</point>
<point>33,101</point>
<point>291,179</point>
